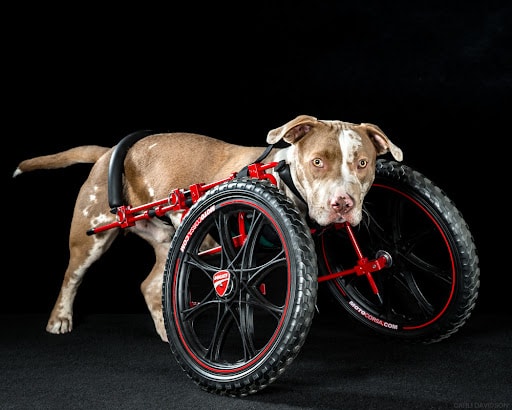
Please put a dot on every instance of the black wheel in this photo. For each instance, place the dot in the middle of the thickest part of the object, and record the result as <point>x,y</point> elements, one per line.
<point>431,287</point>
<point>240,287</point>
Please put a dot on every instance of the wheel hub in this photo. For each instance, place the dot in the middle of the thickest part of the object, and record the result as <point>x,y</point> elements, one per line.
<point>222,283</point>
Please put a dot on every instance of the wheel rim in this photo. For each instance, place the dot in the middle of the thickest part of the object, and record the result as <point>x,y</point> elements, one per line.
<point>417,289</point>
<point>229,299</point>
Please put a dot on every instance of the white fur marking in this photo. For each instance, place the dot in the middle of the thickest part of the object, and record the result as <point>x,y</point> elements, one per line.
<point>93,199</point>
<point>99,220</point>
<point>350,141</point>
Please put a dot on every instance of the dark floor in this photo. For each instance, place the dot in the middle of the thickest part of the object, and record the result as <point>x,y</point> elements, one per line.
<point>116,361</point>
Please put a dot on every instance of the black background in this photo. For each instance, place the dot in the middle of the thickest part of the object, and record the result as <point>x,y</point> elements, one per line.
<point>437,78</point>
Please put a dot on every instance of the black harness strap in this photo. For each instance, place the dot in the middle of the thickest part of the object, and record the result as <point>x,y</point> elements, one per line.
<point>265,153</point>
<point>244,172</point>
<point>116,168</point>
<point>283,170</point>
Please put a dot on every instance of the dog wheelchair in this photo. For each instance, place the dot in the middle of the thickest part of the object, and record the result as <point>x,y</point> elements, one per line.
<point>242,274</point>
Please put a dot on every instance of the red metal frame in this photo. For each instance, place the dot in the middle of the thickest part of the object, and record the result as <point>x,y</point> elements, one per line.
<point>178,200</point>
<point>181,200</point>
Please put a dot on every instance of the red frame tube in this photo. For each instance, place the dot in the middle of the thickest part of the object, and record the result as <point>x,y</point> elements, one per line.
<point>182,200</point>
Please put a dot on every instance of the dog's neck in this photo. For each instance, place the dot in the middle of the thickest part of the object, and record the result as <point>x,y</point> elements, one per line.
<point>283,169</point>
<point>283,173</point>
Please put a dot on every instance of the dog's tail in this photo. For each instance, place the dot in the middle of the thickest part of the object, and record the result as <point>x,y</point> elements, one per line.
<point>86,154</point>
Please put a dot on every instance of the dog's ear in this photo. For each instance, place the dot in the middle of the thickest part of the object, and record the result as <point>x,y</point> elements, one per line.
<point>292,131</point>
<point>382,142</point>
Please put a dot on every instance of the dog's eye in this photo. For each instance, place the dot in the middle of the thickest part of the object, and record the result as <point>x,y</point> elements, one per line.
<point>317,162</point>
<point>362,163</point>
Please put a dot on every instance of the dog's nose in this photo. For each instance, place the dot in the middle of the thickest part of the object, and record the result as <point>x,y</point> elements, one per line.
<point>342,204</point>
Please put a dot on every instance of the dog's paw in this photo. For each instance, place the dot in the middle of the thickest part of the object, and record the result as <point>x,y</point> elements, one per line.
<point>160,328</point>
<point>59,326</point>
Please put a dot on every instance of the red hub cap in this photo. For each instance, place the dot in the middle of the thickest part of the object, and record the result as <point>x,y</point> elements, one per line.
<point>222,282</point>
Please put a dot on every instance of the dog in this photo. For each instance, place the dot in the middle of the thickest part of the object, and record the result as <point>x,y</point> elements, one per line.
<point>331,164</point>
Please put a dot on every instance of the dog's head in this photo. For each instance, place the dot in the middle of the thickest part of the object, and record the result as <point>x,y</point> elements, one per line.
<point>333,164</point>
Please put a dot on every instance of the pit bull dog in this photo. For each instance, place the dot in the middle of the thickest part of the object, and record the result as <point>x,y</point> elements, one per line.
<point>331,163</point>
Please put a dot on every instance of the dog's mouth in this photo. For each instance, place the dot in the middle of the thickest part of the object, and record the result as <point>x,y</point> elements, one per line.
<point>325,218</point>
<point>352,218</point>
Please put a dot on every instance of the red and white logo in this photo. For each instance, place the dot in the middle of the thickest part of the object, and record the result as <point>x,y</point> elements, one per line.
<point>221,281</point>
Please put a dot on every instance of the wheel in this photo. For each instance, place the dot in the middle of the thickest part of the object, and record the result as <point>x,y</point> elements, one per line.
<point>240,287</point>
<point>431,287</point>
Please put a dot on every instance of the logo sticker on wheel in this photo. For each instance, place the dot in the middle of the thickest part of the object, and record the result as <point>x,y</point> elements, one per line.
<point>221,282</point>
<point>194,226</point>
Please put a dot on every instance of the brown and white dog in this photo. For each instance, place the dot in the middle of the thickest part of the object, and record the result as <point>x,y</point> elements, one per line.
<point>332,164</point>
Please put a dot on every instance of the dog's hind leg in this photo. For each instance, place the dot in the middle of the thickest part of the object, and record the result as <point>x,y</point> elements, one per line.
<point>90,211</point>
<point>84,251</point>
